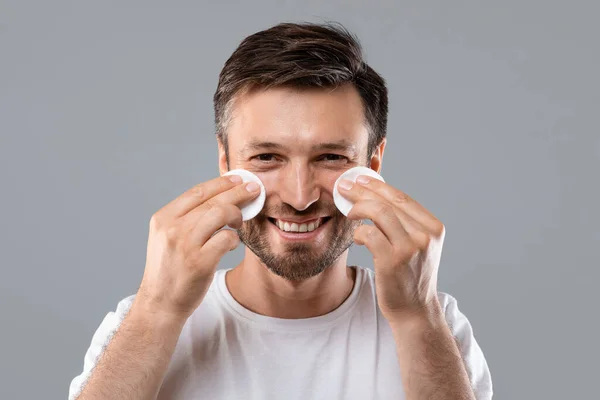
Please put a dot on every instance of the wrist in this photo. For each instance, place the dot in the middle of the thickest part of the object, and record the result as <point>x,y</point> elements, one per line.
<point>154,317</point>
<point>415,321</point>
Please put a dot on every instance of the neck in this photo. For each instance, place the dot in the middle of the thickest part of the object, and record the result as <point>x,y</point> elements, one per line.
<point>259,290</point>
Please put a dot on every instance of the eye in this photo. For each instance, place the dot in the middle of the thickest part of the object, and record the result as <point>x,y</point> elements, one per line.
<point>265,157</point>
<point>333,157</point>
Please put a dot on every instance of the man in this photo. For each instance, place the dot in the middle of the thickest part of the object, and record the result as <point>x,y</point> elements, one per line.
<point>296,105</point>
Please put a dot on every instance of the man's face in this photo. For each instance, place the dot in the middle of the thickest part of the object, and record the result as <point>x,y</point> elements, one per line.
<point>298,142</point>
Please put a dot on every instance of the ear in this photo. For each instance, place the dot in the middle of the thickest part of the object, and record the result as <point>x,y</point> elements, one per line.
<point>377,157</point>
<point>223,167</point>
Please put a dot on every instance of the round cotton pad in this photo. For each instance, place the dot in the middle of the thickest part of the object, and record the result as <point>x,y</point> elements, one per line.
<point>251,209</point>
<point>343,204</point>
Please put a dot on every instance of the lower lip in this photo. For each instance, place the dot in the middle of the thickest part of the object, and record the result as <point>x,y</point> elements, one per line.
<point>299,235</point>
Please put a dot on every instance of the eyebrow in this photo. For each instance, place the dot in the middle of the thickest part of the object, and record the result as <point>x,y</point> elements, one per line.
<point>341,145</point>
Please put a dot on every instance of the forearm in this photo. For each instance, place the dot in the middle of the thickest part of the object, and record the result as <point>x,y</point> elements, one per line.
<point>430,362</point>
<point>133,365</point>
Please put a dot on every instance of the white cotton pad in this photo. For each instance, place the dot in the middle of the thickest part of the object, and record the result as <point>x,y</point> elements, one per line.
<point>251,209</point>
<point>343,204</point>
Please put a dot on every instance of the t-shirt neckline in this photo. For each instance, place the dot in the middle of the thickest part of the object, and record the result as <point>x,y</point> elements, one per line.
<point>283,324</point>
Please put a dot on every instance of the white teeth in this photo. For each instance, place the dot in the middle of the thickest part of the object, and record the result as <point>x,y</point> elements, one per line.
<point>294,227</point>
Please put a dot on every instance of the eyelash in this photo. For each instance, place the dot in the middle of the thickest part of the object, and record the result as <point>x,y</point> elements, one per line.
<point>262,155</point>
<point>336,155</point>
<point>339,157</point>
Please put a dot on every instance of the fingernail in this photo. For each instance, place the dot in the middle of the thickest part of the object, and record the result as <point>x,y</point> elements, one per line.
<point>235,178</point>
<point>363,179</point>
<point>345,184</point>
<point>252,187</point>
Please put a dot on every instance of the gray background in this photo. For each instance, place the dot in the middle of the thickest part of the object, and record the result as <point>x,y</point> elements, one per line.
<point>106,115</point>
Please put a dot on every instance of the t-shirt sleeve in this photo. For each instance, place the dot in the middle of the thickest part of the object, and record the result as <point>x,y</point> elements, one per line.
<point>100,340</point>
<point>475,362</point>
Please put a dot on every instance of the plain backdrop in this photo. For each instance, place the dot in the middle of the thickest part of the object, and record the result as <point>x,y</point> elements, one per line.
<point>106,115</point>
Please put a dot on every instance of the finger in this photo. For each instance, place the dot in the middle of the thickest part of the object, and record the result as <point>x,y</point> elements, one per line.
<point>238,195</point>
<point>216,247</point>
<point>360,193</point>
<point>410,230</point>
<point>198,194</point>
<point>204,224</point>
<point>402,201</point>
<point>375,241</point>
<point>383,216</point>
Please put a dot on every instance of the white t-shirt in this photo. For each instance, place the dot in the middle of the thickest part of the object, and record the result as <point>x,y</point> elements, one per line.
<point>226,351</point>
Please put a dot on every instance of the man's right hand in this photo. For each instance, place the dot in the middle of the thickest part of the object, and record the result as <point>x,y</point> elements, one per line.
<point>183,248</point>
<point>183,253</point>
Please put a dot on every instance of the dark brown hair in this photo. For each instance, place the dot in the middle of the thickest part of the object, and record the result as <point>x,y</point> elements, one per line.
<point>301,55</point>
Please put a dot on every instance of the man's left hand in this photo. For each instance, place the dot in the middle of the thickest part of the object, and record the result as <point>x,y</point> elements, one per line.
<point>406,242</point>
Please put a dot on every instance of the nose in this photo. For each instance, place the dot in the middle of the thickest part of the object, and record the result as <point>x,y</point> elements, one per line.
<point>298,187</point>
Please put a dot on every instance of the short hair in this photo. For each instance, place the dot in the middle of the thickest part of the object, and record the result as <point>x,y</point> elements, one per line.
<point>301,55</point>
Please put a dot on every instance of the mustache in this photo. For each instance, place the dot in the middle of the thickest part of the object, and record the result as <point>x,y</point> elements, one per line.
<point>284,209</point>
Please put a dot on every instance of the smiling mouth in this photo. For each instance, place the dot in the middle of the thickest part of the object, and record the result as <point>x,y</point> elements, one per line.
<point>294,227</point>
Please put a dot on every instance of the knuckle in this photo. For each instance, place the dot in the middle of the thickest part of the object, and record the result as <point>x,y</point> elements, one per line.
<point>400,198</point>
<point>171,234</point>
<point>422,240</point>
<point>386,211</point>
<point>232,236</point>
<point>159,223</point>
<point>218,212</point>
<point>232,213</point>
<point>197,191</point>
<point>224,184</point>
<point>368,231</point>
<point>241,193</point>
<point>235,216</point>
<point>227,238</point>
<point>372,232</point>
<point>155,221</point>
<point>210,203</point>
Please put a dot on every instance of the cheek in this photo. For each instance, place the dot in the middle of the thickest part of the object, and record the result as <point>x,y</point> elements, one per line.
<point>269,180</point>
<point>329,179</point>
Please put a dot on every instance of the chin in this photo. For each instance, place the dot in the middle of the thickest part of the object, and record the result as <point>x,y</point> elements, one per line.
<point>297,256</point>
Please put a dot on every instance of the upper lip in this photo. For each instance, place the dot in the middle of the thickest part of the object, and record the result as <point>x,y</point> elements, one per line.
<point>298,221</point>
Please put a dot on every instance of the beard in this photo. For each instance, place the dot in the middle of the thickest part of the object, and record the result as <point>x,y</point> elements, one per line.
<point>302,260</point>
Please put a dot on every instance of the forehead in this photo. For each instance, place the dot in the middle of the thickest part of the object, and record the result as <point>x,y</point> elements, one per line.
<point>298,118</point>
